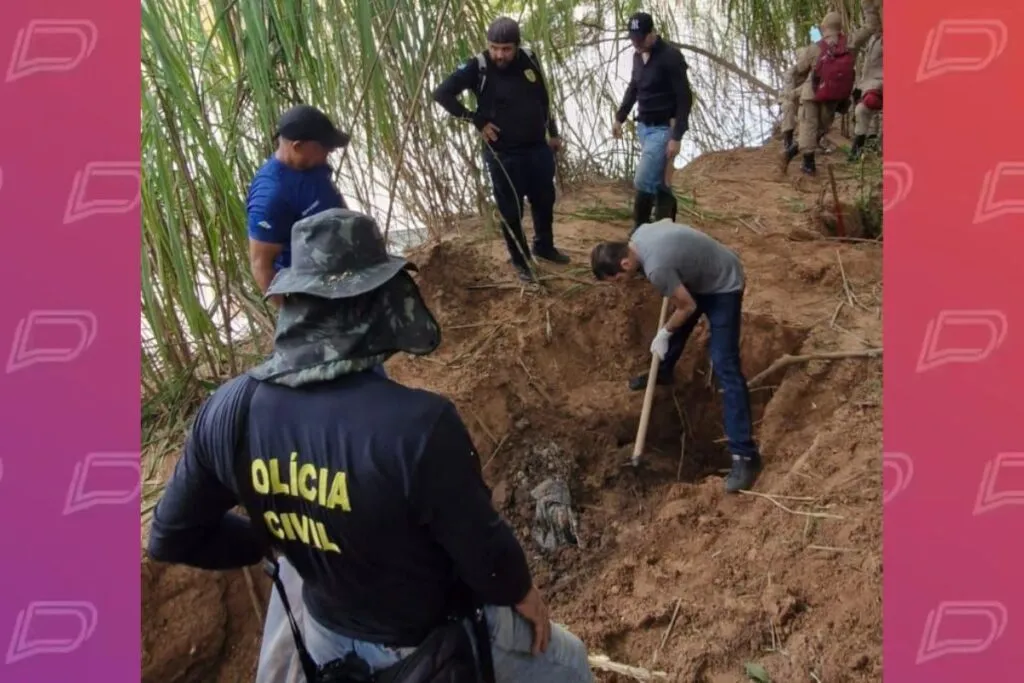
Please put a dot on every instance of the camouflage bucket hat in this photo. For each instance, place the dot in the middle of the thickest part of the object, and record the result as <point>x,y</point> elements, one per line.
<point>349,310</point>
<point>322,339</point>
<point>337,254</point>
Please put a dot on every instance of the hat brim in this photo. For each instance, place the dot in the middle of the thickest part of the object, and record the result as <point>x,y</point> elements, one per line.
<point>311,346</point>
<point>345,286</point>
<point>338,139</point>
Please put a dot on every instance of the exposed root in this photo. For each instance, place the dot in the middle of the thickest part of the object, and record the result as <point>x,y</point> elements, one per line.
<point>787,360</point>
<point>602,663</point>
<point>773,500</point>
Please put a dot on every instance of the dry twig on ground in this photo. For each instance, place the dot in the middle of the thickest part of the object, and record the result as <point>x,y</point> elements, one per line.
<point>668,632</point>
<point>497,448</point>
<point>682,436</point>
<point>535,384</point>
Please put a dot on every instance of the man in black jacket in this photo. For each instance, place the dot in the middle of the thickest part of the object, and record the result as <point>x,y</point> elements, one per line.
<point>513,114</point>
<point>661,88</point>
<point>371,490</point>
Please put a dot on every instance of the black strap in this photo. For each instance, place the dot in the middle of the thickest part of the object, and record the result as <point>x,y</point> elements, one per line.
<point>481,64</point>
<point>483,646</point>
<point>243,480</point>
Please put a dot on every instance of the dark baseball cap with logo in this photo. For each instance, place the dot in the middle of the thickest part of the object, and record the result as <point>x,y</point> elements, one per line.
<point>306,123</point>
<point>640,25</point>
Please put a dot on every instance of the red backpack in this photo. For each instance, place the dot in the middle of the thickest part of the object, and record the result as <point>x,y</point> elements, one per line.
<point>833,76</point>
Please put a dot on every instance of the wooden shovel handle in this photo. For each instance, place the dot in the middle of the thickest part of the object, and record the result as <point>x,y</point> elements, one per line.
<point>652,381</point>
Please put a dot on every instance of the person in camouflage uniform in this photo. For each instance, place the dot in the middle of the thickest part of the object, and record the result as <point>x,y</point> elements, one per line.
<point>868,96</point>
<point>789,97</point>
<point>371,491</point>
<point>815,118</point>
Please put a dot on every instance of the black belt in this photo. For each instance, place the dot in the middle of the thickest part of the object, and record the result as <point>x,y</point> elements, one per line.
<point>655,120</point>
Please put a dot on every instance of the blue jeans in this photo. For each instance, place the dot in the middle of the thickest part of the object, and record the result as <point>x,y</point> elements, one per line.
<point>565,660</point>
<point>724,313</point>
<point>650,169</point>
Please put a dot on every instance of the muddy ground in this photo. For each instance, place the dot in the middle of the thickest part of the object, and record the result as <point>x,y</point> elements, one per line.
<point>788,578</point>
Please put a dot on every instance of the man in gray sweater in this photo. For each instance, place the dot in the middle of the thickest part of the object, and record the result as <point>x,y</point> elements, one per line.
<point>701,276</point>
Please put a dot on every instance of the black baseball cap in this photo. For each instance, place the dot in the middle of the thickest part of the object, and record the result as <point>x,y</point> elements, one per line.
<point>641,24</point>
<point>306,123</point>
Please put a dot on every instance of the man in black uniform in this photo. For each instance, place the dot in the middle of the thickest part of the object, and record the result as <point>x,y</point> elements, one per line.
<point>513,114</point>
<point>661,88</point>
<point>371,490</point>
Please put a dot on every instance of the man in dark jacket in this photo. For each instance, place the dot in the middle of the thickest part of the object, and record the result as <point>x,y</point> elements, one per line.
<point>660,87</point>
<point>371,490</point>
<point>513,114</point>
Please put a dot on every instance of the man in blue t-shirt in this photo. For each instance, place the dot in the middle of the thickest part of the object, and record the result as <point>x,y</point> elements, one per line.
<point>294,183</point>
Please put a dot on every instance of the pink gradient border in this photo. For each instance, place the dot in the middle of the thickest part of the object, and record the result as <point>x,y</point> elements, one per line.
<point>954,356</point>
<point>69,606</point>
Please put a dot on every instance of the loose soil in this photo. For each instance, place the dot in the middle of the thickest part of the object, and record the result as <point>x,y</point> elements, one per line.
<point>788,578</point>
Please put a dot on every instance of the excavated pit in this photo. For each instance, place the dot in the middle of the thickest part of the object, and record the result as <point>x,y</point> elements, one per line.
<point>540,379</point>
<point>201,621</point>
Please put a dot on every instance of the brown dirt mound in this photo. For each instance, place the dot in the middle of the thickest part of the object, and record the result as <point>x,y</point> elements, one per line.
<point>200,626</point>
<point>789,578</point>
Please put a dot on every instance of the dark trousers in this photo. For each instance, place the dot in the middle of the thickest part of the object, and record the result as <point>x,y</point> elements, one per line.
<point>724,316</point>
<point>523,173</point>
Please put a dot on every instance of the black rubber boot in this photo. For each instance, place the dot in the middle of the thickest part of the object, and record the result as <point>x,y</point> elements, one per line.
<point>643,202</point>
<point>522,272</point>
<point>809,166</point>
<point>666,206</point>
<point>639,383</point>
<point>787,139</point>
<point>743,474</point>
<point>858,147</point>
<point>550,254</point>
<point>788,156</point>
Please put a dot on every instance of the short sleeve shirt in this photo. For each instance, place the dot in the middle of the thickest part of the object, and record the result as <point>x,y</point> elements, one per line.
<point>672,254</point>
<point>280,195</point>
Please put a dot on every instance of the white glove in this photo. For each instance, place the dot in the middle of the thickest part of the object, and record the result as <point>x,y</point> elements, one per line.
<point>659,347</point>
